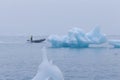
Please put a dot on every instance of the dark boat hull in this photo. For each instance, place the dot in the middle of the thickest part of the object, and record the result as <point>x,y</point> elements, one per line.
<point>37,41</point>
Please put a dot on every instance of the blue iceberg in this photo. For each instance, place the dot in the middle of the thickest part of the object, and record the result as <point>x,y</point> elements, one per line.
<point>77,38</point>
<point>96,37</point>
<point>115,43</point>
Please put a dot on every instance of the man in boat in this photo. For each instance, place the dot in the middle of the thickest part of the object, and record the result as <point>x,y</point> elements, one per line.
<point>31,38</point>
<point>36,41</point>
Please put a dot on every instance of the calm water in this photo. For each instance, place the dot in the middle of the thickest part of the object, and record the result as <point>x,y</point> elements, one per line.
<point>19,60</point>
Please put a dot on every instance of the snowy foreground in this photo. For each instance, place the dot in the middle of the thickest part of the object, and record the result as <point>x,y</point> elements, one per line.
<point>77,38</point>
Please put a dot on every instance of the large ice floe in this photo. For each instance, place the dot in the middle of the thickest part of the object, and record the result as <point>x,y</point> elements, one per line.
<point>77,38</point>
<point>47,70</point>
<point>115,43</point>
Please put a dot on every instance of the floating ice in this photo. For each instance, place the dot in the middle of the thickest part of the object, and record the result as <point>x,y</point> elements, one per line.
<point>47,70</point>
<point>115,43</point>
<point>78,38</point>
<point>96,37</point>
<point>75,38</point>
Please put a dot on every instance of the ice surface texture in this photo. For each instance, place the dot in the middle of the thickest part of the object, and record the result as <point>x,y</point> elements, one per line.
<point>77,38</point>
<point>47,70</point>
<point>115,43</point>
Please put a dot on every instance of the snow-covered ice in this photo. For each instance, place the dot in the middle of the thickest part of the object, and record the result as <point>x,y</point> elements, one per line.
<point>47,70</point>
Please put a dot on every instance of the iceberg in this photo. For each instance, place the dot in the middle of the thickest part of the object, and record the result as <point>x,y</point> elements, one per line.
<point>47,70</point>
<point>96,37</point>
<point>115,43</point>
<point>77,38</point>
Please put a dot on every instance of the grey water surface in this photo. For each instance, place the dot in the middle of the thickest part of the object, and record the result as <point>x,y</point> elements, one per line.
<point>19,60</point>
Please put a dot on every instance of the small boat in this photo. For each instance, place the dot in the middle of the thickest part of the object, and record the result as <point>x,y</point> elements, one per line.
<point>36,41</point>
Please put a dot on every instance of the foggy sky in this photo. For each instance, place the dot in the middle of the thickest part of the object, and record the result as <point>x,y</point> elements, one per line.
<point>44,17</point>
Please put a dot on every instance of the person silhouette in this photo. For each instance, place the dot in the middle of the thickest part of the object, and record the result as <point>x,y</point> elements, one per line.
<point>31,38</point>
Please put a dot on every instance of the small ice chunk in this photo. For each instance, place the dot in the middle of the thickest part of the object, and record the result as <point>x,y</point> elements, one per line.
<point>47,70</point>
<point>115,43</point>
